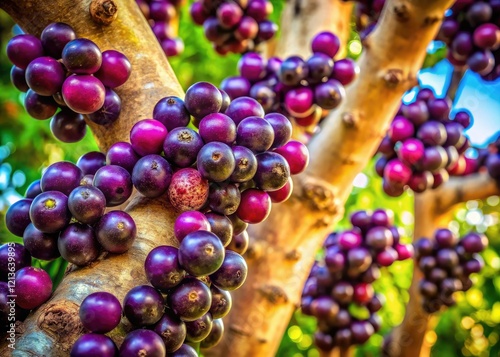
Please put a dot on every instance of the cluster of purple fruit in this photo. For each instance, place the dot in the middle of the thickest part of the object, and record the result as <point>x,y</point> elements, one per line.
<point>422,144</point>
<point>473,37</point>
<point>59,70</point>
<point>447,263</point>
<point>22,287</point>
<point>63,214</point>
<point>301,89</point>
<point>234,26</point>
<point>339,291</point>
<point>161,15</point>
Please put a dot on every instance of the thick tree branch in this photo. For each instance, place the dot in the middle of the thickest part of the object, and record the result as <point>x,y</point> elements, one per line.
<point>432,210</point>
<point>392,57</point>
<point>53,328</point>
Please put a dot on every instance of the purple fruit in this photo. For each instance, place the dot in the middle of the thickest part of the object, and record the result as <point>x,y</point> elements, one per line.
<point>90,162</point>
<point>40,245</point>
<point>49,211</point>
<point>474,242</point>
<point>282,128</point>
<point>224,198</point>
<point>445,238</point>
<point>361,331</point>
<point>296,154</point>
<point>215,161</point>
<point>82,56</point>
<point>61,176</point>
<point>329,95</point>
<point>100,312</point>
<point>147,137</point>
<point>463,118</point>
<point>273,171</point>
<point>39,107</point>
<point>33,287</point>
<point>17,217</point>
<point>349,239</point>
<point>122,154</point>
<point>324,307</point>
<point>77,244</point>
<point>359,259</point>
<point>397,172</point>
<point>184,351</point>
<point>92,345</point>
<point>18,79</point>
<point>379,238</point>
<point>236,87</point>
<point>162,268</point>
<point>152,175</point>
<point>172,331</point>
<point>110,110</point>
<point>217,127</point>
<point>115,69</point>
<point>143,305</point>
<point>199,329</point>
<point>299,101</point>
<point>320,66</point>
<point>361,219</point>
<point>181,146</point>
<point>202,98</point>
<point>342,292</point>
<point>190,300</point>
<point>201,253</point>
<point>232,274</point>
<point>254,207</point>
<point>188,190</point>
<point>432,133</point>
<point>293,70</point>
<point>221,302</point>
<point>245,164</point>
<point>221,226</point>
<point>411,151</point>
<point>87,204</point>
<point>22,49</point>
<point>55,36</point>
<point>188,222</point>
<point>215,335</point>
<point>45,76</point>
<point>171,112</point>
<point>252,66</point>
<point>255,133</point>
<point>229,14</point>
<point>439,109</point>
<point>142,342</point>
<point>434,159</point>
<point>83,94</point>
<point>244,107</point>
<point>386,257</point>
<point>33,190</point>
<point>13,253</point>
<point>116,231</point>
<point>416,112</point>
<point>345,71</point>
<point>401,129</point>
<point>326,43</point>
<point>115,183</point>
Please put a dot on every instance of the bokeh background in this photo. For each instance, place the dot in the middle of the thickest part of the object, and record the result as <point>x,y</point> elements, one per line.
<point>471,328</point>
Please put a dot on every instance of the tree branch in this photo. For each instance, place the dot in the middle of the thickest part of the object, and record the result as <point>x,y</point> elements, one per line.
<point>54,327</point>
<point>456,78</point>
<point>393,55</point>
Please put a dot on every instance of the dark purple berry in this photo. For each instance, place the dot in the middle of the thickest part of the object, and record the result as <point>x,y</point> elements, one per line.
<point>100,312</point>
<point>116,231</point>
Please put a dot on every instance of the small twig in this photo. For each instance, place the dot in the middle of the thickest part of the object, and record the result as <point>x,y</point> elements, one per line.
<point>456,78</point>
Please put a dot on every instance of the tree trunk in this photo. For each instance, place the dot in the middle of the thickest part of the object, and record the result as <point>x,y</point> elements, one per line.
<point>289,239</point>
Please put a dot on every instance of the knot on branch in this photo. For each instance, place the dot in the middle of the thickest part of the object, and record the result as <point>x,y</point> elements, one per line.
<point>254,251</point>
<point>320,197</point>
<point>103,12</point>
<point>431,20</point>
<point>402,13</point>
<point>393,77</point>
<point>349,119</point>
<point>274,294</point>
<point>293,254</point>
<point>61,322</point>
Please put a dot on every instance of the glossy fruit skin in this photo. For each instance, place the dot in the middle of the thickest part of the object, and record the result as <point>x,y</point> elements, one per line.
<point>224,199</point>
<point>221,226</point>
<point>55,36</point>
<point>244,107</point>
<point>122,154</point>
<point>215,335</point>
<point>282,128</point>
<point>22,49</point>
<point>202,98</point>
<point>33,287</point>
<point>33,189</point>
<point>221,302</point>
<point>116,231</point>
<point>296,154</point>
<point>83,94</point>
<point>49,211</point>
<point>142,342</point>
<point>147,137</point>
<point>172,331</point>
<point>190,221</point>
<point>115,69</point>
<point>61,176</point>
<point>21,258</point>
<point>201,253</point>
<point>87,204</point>
<point>327,43</point>
<point>90,162</point>
<point>171,112</point>
<point>188,190</point>
<point>40,245</point>
<point>115,183</point>
<point>92,345</point>
<point>255,133</point>
<point>199,329</point>
<point>239,243</point>
<point>245,164</point>
<point>215,161</point>
<point>152,175</point>
<point>184,351</point>
<point>100,312</point>
<point>273,171</point>
<point>181,146</point>
<point>110,110</point>
<point>17,217</point>
<point>190,300</point>
<point>217,127</point>
<point>255,206</point>
<point>163,269</point>
<point>68,126</point>
<point>143,305</point>
<point>232,274</point>
<point>77,244</point>
<point>82,56</point>
<point>18,79</point>
<point>45,76</point>
<point>39,107</point>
